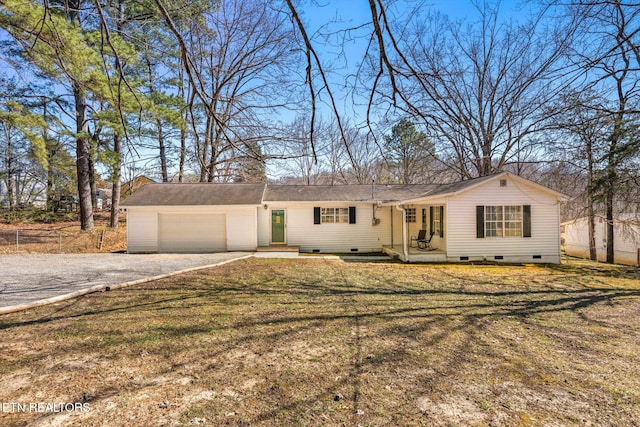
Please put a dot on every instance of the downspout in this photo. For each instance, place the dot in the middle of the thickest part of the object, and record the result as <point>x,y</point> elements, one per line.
<point>126,212</point>
<point>391,209</point>
<point>560,238</point>
<point>405,249</point>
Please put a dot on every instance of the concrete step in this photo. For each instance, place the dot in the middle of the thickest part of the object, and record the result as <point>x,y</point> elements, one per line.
<point>278,248</point>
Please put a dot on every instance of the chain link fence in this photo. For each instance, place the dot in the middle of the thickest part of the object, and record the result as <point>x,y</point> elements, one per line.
<point>61,241</point>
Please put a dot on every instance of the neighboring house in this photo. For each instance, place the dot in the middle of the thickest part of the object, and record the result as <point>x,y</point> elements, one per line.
<point>30,192</point>
<point>130,187</point>
<point>103,198</point>
<point>500,217</point>
<point>4,201</point>
<point>626,239</point>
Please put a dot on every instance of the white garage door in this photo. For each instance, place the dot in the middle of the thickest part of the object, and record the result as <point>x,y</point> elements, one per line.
<point>192,233</point>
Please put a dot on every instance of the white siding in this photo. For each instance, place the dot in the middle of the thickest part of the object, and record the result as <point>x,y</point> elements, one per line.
<point>223,227</point>
<point>396,214</point>
<point>545,224</point>
<point>142,231</point>
<point>191,232</point>
<point>264,225</point>
<point>576,238</point>
<point>339,238</point>
<point>626,240</point>
<point>241,230</point>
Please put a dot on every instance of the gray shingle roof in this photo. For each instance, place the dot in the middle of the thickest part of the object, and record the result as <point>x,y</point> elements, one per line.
<point>442,189</point>
<point>196,194</point>
<point>344,193</point>
<point>256,194</point>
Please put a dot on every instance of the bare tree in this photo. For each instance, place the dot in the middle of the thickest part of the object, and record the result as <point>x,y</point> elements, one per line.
<point>362,163</point>
<point>297,155</point>
<point>237,58</point>
<point>579,143</point>
<point>480,89</point>
<point>609,55</point>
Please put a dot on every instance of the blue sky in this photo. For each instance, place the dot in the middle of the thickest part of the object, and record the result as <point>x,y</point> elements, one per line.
<point>325,17</point>
<point>357,11</point>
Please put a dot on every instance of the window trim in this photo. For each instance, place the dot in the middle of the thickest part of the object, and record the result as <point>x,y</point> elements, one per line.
<point>436,224</point>
<point>411,215</point>
<point>501,221</point>
<point>334,215</point>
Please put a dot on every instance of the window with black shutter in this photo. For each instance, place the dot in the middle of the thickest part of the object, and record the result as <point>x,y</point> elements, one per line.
<point>316,215</point>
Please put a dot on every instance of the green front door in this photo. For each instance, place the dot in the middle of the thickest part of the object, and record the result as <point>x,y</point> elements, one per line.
<point>277,226</point>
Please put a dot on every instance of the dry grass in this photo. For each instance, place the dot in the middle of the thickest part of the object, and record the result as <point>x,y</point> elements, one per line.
<point>324,342</point>
<point>62,237</point>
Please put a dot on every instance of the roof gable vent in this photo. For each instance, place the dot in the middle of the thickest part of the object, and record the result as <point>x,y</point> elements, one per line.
<point>503,182</point>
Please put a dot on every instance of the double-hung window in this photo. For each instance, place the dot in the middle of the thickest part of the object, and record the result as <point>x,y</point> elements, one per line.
<point>411,214</point>
<point>436,221</point>
<point>503,221</point>
<point>335,215</point>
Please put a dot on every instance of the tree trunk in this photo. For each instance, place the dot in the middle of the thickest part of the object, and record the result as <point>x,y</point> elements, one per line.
<point>593,251</point>
<point>92,181</point>
<point>610,189</point>
<point>163,152</point>
<point>609,228</point>
<point>591,223</point>
<point>83,167</point>
<point>115,192</point>
<point>183,152</point>
<point>51,151</point>
<point>50,185</point>
<point>82,159</point>
<point>212,161</point>
<point>183,128</point>
<point>116,178</point>
<point>612,178</point>
<point>204,150</point>
<point>11,182</point>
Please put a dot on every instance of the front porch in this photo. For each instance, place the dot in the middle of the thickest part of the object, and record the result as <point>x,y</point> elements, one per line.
<point>419,219</point>
<point>415,254</point>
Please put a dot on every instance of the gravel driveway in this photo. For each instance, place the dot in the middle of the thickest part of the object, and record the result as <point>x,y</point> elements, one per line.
<point>29,278</point>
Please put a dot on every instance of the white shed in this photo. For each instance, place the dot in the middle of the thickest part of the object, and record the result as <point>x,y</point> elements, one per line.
<point>626,238</point>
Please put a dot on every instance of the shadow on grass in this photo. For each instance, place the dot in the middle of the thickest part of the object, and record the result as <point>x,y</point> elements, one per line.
<point>521,303</point>
<point>452,316</point>
<point>518,303</point>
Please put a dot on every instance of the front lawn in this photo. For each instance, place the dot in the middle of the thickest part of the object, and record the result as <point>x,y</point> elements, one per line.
<point>328,342</point>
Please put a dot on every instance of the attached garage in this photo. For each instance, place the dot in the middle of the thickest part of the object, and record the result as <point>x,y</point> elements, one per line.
<point>192,233</point>
<point>142,231</point>
<point>193,218</point>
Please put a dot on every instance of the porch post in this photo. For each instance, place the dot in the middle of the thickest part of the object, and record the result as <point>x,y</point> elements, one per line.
<point>391,207</point>
<point>405,249</point>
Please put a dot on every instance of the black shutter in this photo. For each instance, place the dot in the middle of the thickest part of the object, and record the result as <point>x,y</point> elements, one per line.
<point>316,215</point>
<point>441,221</point>
<point>430,219</point>
<point>526,221</point>
<point>352,214</point>
<point>480,222</point>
